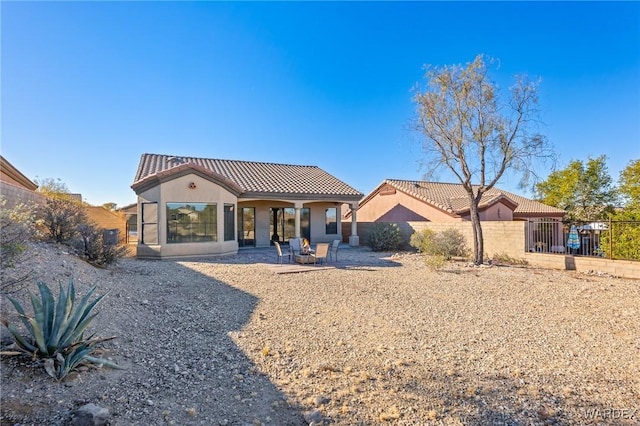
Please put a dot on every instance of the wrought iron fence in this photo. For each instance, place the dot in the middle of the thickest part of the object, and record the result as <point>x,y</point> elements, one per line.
<point>610,239</point>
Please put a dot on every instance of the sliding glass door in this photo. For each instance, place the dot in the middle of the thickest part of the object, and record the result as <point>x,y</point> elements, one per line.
<point>282,224</point>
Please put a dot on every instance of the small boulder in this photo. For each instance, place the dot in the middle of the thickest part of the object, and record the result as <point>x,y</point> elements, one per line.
<point>90,415</point>
<point>313,417</point>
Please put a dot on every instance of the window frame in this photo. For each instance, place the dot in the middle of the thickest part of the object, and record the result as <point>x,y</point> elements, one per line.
<point>331,226</point>
<point>183,224</point>
<point>228,219</point>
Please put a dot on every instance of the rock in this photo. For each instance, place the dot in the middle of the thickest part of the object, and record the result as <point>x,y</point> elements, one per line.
<point>320,400</point>
<point>313,416</point>
<point>90,415</point>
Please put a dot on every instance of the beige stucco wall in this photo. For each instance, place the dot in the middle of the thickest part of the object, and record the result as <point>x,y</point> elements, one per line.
<point>317,219</point>
<point>262,218</point>
<point>377,206</point>
<point>620,268</point>
<point>500,237</point>
<point>318,229</point>
<point>178,191</point>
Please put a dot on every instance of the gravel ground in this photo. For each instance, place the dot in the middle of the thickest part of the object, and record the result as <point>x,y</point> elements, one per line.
<point>380,339</point>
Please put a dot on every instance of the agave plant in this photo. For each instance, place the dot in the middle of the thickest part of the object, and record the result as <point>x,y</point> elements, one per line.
<point>56,330</point>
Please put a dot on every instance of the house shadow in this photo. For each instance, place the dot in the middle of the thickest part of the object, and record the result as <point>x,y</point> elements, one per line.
<point>173,329</point>
<point>194,372</point>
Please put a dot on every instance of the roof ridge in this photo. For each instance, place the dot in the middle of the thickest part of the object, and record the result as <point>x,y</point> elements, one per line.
<point>187,157</point>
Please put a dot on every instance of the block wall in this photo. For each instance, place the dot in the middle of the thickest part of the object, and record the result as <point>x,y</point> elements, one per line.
<point>14,195</point>
<point>619,268</point>
<point>499,237</point>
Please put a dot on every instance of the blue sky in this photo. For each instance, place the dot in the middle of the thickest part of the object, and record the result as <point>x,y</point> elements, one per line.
<point>87,87</point>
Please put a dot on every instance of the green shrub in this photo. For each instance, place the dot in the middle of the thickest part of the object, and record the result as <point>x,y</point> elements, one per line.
<point>622,240</point>
<point>422,240</point>
<point>447,244</point>
<point>384,236</point>
<point>92,246</point>
<point>56,331</point>
<point>435,262</point>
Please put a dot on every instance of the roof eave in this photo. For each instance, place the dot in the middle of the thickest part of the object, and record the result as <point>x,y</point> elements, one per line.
<point>187,169</point>
<point>525,215</point>
<point>17,175</point>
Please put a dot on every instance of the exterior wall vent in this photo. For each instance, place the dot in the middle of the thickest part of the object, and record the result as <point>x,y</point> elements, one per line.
<point>175,160</point>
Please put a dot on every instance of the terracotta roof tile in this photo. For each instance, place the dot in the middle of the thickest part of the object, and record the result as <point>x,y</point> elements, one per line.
<point>452,197</point>
<point>253,178</point>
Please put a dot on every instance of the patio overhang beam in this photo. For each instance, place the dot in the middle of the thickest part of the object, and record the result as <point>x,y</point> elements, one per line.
<point>294,198</point>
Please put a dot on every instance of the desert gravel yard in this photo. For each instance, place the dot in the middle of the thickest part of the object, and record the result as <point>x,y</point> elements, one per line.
<point>380,339</point>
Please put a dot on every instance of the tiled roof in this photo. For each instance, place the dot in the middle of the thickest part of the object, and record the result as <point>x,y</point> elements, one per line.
<point>452,197</point>
<point>249,177</point>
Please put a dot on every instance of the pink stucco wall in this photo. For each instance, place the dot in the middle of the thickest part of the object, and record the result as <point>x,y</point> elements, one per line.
<point>400,207</point>
<point>379,205</point>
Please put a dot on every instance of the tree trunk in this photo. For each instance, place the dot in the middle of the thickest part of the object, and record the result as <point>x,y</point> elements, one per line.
<point>478,241</point>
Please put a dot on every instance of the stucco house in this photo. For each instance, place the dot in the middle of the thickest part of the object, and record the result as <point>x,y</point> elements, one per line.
<point>413,201</point>
<point>404,201</point>
<point>189,206</point>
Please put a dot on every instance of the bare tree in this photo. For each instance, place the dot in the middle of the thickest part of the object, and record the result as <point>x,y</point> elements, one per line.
<point>469,130</point>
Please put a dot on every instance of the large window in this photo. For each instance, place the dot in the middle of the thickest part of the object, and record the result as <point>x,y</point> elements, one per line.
<point>191,222</point>
<point>331,221</point>
<point>229,231</point>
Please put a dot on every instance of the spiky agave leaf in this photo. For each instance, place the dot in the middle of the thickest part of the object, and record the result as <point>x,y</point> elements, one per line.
<point>92,305</point>
<point>80,321</point>
<point>50,367</point>
<point>63,310</point>
<point>99,361</point>
<point>73,359</point>
<point>76,317</point>
<point>38,336</point>
<point>23,315</point>
<point>48,311</point>
<point>58,330</point>
<point>17,337</point>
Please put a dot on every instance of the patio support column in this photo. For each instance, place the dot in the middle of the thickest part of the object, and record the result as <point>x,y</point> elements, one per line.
<point>297,207</point>
<point>354,240</point>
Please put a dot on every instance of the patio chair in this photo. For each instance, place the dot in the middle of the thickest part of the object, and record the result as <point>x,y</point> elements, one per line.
<point>321,252</point>
<point>281,255</point>
<point>333,252</point>
<point>295,244</point>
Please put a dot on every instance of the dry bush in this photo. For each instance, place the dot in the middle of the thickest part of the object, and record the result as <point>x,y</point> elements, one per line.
<point>17,227</point>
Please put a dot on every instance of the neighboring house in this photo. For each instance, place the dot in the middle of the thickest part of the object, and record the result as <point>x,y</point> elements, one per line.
<point>112,221</point>
<point>15,187</point>
<point>406,201</point>
<point>199,206</point>
<point>403,201</point>
<point>130,213</point>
